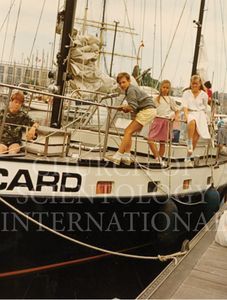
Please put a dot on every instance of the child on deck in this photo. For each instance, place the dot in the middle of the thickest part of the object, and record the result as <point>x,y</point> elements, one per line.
<point>12,132</point>
<point>167,110</point>
<point>142,106</point>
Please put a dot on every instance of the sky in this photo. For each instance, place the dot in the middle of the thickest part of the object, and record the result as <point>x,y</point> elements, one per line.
<point>165,26</point>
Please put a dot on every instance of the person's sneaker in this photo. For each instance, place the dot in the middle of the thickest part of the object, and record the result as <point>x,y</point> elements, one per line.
<point>126,160</point>
<point>112,158</point>
<point>223,151</point>
<point>190,149</point>
<point>155,161</point>
<point>163,163</point>
<point>188,163</point>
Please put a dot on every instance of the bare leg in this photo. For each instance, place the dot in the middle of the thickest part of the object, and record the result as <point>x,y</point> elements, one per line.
<point>191,129</point>
<point>195,139</point>
<point>126,142</point>
<point>162,149</point>
<point>154,149</point>
<point>14,148</point>
<point>3,149</point>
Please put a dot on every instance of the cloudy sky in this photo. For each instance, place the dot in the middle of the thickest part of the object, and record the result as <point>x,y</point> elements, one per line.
<point>165,26</point>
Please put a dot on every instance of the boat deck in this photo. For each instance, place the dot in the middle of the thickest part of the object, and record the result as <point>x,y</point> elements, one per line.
<point>75,155</point>
<point>201,274</point>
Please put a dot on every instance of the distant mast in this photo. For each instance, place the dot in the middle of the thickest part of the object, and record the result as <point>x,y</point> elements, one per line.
<point>69,14</point>
<point>198,37</point>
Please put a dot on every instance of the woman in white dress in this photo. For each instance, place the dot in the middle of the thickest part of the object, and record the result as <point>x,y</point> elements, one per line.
<point>195,103</point>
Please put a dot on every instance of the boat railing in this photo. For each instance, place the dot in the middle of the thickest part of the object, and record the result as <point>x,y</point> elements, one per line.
<point>32,86</point>
<point>88,102</point>
<point>102,132</point>
<point>88,113</point>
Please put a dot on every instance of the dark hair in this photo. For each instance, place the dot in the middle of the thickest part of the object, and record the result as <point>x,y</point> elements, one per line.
<point>121,75</point>
<point>208,84</point>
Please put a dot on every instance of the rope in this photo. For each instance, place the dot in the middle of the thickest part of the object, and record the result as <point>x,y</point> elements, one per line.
<point>159,257</point>
<point>64,263</point>
<point>185,203</point>
<point>51,266</point>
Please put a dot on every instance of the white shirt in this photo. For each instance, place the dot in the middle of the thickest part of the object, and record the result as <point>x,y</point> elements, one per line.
<point>166,107</point>
<point>198,103</point>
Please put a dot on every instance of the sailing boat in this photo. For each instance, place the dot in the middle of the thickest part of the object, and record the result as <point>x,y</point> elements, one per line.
<point>71,191</point>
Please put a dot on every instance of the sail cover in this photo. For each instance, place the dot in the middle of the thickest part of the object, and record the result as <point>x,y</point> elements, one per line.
<point>83,65</point>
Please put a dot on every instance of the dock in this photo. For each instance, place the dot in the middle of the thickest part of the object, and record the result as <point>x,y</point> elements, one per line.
<point>200,274</point>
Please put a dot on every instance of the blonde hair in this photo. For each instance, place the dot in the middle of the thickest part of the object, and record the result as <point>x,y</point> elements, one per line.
<point>195,78</point>
<point>160,88</point>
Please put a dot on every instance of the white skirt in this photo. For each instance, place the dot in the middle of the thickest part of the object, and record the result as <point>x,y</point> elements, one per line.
<point>201,123</point>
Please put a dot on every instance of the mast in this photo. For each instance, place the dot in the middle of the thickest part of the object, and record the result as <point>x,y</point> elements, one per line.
<point>198,37</point>
<point>68,15</point>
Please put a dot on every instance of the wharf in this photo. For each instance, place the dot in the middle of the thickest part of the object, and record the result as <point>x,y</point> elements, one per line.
<point>200,274</point>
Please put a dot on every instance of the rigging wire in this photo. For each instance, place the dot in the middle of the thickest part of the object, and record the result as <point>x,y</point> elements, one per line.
<point>15,33</point>
<point>215,44</point>
<point>144,17</point>
<point>180,53</point>
<point>161,50</point>
<point>54,42</point>
<point>167,55</point>
<point>8,13</point>
<point>129,24</point>
<point>224,41</point>
<point>84,25</point>
<point>121,60</point>
<point>134,11</point>
<point>34,40</point>
<point>173,18</point>
<point>7,25</point>
<point>142,32</point>
<point>154,38</point>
